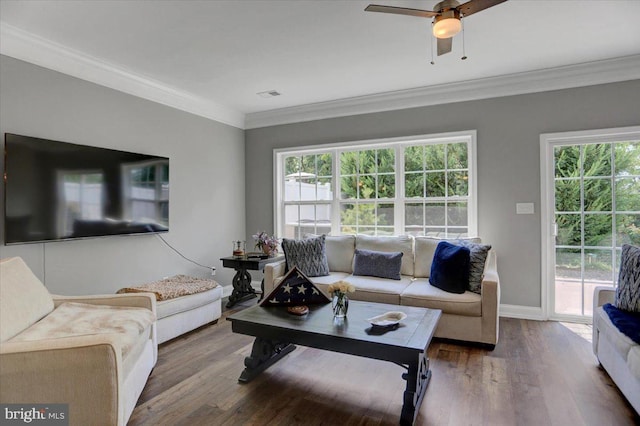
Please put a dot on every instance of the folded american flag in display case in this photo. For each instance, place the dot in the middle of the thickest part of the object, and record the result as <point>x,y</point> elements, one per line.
<point>295,289</point>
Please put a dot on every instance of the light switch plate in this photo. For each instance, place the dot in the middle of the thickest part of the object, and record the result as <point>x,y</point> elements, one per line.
<point>524,208</point>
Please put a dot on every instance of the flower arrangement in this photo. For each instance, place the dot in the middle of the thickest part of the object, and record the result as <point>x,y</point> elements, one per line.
<point>340,302</point>
<point>265,242</point>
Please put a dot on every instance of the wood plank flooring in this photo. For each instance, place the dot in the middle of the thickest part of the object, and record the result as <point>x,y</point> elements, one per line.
<point>541,373</point>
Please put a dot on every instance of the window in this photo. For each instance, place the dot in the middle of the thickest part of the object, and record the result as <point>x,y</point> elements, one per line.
<point>422,185</point>
<point>147,191</point>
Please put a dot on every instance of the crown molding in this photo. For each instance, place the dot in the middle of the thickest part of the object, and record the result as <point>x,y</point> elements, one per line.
<point>28,47</point>
<point>585,74</point>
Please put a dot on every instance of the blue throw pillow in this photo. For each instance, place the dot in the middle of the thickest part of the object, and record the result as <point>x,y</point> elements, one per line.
<point>450,268</point>
<point>377,264</point>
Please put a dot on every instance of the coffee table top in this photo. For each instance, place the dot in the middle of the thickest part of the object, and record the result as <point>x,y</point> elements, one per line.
<point>414,332</point>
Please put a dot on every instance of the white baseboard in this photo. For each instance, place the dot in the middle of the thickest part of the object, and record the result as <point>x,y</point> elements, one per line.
<point>522,312</point>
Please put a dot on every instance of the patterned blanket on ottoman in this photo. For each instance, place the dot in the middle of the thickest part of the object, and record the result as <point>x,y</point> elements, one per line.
<point>173,287</point>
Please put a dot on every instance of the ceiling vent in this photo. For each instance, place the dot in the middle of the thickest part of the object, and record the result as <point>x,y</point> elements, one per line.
<point>269,94</point>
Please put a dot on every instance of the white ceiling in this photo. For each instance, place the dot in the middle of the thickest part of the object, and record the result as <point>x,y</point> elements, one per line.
<point>219,54</point>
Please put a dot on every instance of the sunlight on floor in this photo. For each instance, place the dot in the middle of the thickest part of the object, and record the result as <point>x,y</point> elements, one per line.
<point>584,331</point>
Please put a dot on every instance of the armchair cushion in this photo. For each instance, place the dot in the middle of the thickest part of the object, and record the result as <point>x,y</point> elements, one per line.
<point>80,319</point>
<point>23,298</point>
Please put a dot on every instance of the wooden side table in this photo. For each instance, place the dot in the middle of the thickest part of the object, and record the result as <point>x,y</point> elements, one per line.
<point>242,280</point>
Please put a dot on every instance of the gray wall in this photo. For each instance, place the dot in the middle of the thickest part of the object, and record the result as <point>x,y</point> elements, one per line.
<point>508,129</point>
<point>207,179</point>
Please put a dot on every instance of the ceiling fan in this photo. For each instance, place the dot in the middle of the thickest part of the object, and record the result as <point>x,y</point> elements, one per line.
<point>447,17</point>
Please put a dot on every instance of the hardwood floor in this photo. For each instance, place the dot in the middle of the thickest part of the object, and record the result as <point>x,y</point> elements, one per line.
<point>541,373</point>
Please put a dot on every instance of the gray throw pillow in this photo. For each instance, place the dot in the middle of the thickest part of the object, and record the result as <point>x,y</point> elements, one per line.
<point>377,264</point>
<point>628,292</point>
<point>477,258</point>
<point>309,255</point>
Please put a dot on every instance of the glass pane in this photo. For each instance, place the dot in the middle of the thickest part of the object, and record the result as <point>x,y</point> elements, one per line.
<point>325,165</point>
<point>385,231</point>
<point>434,214</point>
<point>413,158</point>
<point>457,214</point>
<point>457,232</point>
<point>414,185</point>
<point>385,214</point>
<point>323,218</point>
<point>567,193</point>
<point>627,158</point>
<point>367,187</point>
<point>457,155</point>
<point>291,167</point>
<point>368,161</point>
<point>348,214</point>
<point>458,183</point>
<point>437,232</point>
<point>628,229</point>
<point>291,221</point>
<point>348,187</point>
<point>435,184</point>
<point>598,270</point>
<point>386,160</point>
<point>367,230</point>
<point>597,159</point>
<point>308,169</point>
<point>434,157</point>
<point>628,194</point>
<point>597,195</point>
<point>348,230</point>
<point>366,214</point>
<point>307,189</point>
<point>598,230</point>
<point>323,189</point>
<point>568,280</point>
<point>349,163</point>
<point>567,161</point>
<point>413,214</point>
<point>568,229</point>
<point>386,186</point>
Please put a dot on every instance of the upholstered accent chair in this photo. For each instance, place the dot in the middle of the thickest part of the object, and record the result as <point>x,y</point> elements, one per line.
<point>93,353</point>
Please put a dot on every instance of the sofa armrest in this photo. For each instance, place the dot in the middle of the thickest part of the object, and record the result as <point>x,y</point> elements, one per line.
<point>273,271</point>
<point>134,300</point>
<point>83,371</point>
<point>490,293</point>
<point>603,295</point>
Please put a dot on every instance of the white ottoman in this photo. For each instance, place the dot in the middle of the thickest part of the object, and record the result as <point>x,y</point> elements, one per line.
<point>186,313</point>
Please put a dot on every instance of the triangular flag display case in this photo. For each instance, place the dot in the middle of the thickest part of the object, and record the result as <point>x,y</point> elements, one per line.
<point>295,289</point>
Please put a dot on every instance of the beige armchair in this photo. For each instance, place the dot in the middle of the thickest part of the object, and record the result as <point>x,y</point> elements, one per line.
<point>93,353</point>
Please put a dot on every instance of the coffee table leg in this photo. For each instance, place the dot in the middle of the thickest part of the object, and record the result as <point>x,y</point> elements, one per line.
<point>263,354</point>
<point>417,379</point>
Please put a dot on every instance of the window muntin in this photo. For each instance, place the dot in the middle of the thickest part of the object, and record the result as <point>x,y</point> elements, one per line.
<point>417,186</point>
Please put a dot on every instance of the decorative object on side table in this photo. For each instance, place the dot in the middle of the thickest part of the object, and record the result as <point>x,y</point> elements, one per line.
<point>340,301</point>
<point>267,243</point>
<point>239,248</point>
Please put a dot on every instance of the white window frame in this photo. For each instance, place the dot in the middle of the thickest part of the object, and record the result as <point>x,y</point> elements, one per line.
<point>468,136</point>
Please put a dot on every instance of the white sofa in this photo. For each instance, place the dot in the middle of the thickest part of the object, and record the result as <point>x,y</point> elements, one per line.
<point>617,353</point>
<point>468,317</point>
<point>93,353</point>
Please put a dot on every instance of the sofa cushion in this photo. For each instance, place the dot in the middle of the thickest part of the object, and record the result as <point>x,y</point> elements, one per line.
<point>450,268</point>
<point>477,259</point>
<point>421,293</point>
<point>607,330</point>
<point>23,298</point>
<point>377,264</point>
<point>379,290</point>
<point>426,248</point>
<point>402,243</point>
<point>628,292</point>
<point>309,255</point>
<point>78,319</point>
<point>174,306</point>
<point>339,249</point>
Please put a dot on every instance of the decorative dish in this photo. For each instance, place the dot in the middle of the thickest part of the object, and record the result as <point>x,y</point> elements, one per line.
<point>387,319</point>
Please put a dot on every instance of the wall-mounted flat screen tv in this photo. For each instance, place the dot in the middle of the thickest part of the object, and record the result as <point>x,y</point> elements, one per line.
<point>58,191</point>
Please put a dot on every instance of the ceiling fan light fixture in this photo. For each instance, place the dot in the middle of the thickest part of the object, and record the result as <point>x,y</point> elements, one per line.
<point>447,25</point>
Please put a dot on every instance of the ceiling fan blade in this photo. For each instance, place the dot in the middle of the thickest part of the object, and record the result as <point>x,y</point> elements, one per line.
<point>401,11</point>
<point>444,45</point>
<point>473,6</point>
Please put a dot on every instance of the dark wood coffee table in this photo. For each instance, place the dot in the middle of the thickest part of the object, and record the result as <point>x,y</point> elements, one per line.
<point>276,331</point>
